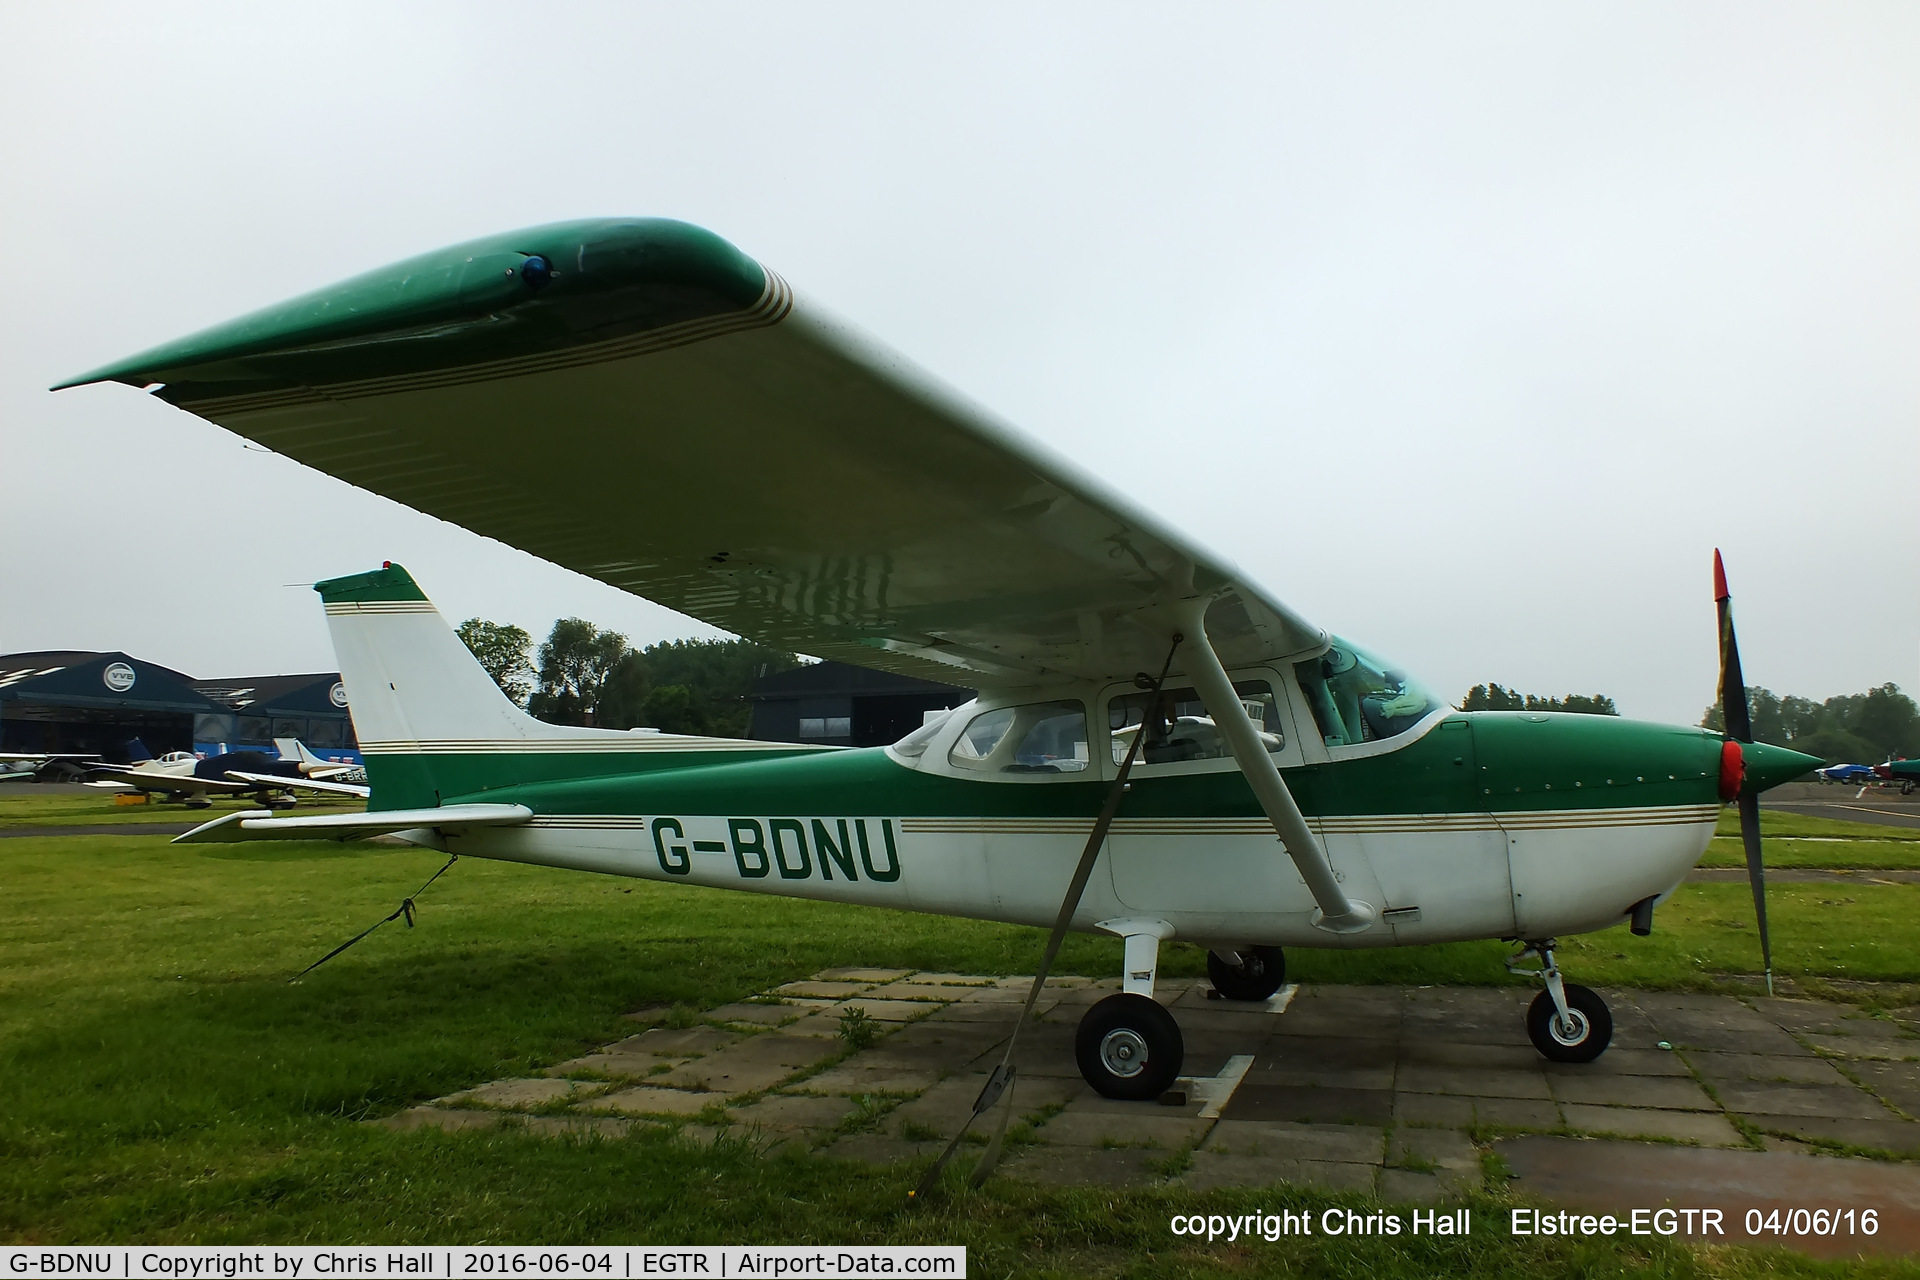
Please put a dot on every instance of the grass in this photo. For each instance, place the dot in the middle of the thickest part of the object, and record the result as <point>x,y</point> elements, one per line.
<point>1726,851</point>
<point>40,808</point>
<point>161,1081</point>
<point>1775,823</point>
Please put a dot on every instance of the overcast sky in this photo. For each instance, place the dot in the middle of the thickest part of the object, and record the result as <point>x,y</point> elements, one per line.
<point>1469,330</point>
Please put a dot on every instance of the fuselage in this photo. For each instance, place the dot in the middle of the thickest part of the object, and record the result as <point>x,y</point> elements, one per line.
<point>1471,825</point>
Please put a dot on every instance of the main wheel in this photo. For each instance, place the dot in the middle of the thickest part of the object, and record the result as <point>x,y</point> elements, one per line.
<point>1129,1047</point>
<point>1585,1040</point>
<point>1261,972</point>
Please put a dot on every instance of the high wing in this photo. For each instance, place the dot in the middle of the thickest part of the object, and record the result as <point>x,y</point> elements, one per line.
<point>639,401</point>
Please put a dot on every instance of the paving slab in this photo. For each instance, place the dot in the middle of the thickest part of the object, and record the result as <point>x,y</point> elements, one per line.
<point>860,975</point>
<point>794,1111</point>
<point>1617,1061</point>
<point>1380,1077</point>
<point>822,1023</point>
<point>766,1015</point>
<point>1896,1082</point>
<point>941,1109</point>
<point>1477,1057</point>
<point>1868,1043</point>
<point>1412,1186</point>
<point>1211,1169</point>
<point>1843,1101</point>
<point>1707,1129</point>
<point>1086,1166</point>
<point>1446,1148</point>
<point>917,991</point>
<point>756,1063</point>
<point>1279,1139</point>
<point>1145,1127</point>
<point>1448,1111</point>
<point>882,1010</point>
<point>667,1042</point>
<point>1472,1082</point>
<point>1623,1176</point>
<point>1309,1105</point>
<point>1764,1068</point>
<point>620,1066</point>
<point>851,1077</point>
<point>1671,1092</point>
<point>646,1100</point>
<point>525,1095</point>
<point>968,979</point>
<point>814,989</point>
<point>1801,1015</point>
<point>1286,1051</point>
<point>1004,1012</point>
<point>1901,1137</point>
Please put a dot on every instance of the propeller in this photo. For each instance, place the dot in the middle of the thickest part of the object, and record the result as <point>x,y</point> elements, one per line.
<point>1733,780</point>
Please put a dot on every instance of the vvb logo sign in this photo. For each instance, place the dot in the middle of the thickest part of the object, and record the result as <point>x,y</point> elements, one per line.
<point>118,677</point>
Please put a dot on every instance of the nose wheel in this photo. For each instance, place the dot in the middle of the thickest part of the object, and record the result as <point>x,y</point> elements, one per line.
<point>1566,1022</point>
<point>1129,1048</point>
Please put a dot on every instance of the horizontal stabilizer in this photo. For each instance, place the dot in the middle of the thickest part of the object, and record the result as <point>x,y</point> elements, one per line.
<point>260,824</point>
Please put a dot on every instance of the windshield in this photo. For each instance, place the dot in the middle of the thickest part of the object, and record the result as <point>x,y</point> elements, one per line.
<point>1357,697</point>
<point>914,745</point>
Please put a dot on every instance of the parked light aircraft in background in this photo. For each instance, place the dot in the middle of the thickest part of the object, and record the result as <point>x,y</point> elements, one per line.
<point>35,766</point>
<point>184,777</point>
<point>1236,776</point>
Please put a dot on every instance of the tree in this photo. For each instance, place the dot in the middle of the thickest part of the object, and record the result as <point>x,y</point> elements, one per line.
<point>688,686</point>
<point>1855,728</point>
<point>502,650</point>
<point>576,661</point>
<point>1491,697</point>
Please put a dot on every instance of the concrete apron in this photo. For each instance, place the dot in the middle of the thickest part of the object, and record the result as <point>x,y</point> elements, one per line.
<point>1703,1101</point>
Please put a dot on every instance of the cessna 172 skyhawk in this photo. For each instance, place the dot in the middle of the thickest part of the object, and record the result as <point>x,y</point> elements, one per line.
<point>1253,782</point>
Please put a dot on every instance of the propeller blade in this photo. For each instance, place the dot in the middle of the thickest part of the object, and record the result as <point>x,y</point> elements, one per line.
<point>1756,875</point>
<point>1739,728</point>
<point>1733,686</point>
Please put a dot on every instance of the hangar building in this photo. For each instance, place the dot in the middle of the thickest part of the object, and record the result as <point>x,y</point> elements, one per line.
<point>837,704</point>
<point>74,700</point>
<point>252,711</point>
<point>81,701</point>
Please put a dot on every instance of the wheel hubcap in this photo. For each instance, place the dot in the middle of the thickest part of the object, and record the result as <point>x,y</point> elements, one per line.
<point>1569,1031</point>
<point>1124,1052</point>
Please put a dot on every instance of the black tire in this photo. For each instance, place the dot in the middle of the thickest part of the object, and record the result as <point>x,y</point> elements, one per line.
<point>1129,1048</point>
<point>1594,1026</point>
<point>1261,972</point>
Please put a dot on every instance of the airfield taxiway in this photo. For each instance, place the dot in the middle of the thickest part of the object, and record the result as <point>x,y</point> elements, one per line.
<point>1416,1094</point>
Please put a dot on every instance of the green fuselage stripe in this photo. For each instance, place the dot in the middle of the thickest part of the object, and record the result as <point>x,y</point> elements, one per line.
<point>1470,763</point>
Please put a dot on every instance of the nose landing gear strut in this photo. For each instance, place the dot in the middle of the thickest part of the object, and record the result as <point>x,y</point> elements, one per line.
<point>1566,1022</point>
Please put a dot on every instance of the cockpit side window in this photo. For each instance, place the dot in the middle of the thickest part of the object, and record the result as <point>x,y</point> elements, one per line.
<point>1358,698</point>
<point>1037,738</point>
<point>1178,727</point>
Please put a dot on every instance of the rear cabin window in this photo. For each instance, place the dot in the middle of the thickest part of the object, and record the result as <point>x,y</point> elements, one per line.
<point>1357,697</point>
<point>1037,738</point>
<point>1178,727</point>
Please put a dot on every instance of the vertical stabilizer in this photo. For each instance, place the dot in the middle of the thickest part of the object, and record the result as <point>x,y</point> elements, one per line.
<point>433,725</point>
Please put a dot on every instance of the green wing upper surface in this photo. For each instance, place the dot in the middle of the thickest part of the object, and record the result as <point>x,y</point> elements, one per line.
<point>637,400</point>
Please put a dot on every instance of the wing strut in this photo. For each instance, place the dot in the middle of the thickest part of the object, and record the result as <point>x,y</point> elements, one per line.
<point>1338,913</point>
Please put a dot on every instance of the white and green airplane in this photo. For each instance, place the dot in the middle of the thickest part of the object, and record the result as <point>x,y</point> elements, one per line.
<point>1161,749</point>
